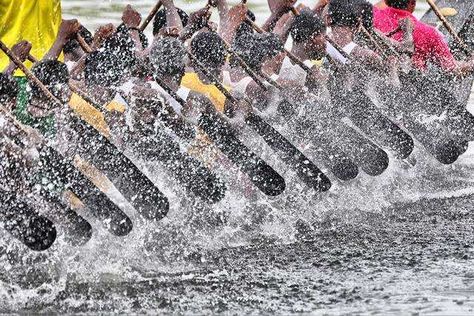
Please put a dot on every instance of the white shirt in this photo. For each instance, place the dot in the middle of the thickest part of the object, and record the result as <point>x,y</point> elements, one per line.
<point>182,92</point>
<point>291,72</point>
<point>240,86</point>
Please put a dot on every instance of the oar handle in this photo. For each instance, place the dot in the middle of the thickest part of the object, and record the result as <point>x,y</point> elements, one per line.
<point>375,42</point>
<point>449,27</point>
<point>32,59</point>
<point>28,73</point>
<point>395,31</point>
<point>82,42</point>
<point>150,16</point>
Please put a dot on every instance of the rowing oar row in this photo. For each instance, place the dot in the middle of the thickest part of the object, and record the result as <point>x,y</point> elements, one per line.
<point>446,149</point>
<point>308,172</point>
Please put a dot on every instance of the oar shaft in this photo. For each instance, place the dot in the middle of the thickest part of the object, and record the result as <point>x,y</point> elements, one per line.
<point>170,91</point>
<point>150,16</point>
<point>395,31</point>
<point>377,37</point>
<point>32,59</point>
<point>449,27</point>
<point>337,47</point>
<point>375,42</point>
<point>28,73</point>
<point>82,42</point>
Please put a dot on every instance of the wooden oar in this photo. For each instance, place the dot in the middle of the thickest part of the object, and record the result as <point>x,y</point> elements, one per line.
<point>150,16</point>
<point>375,42</point>
<point>449,27</point>
<point>28,73</point>
<point>82,42</point>
<point>308,172</point>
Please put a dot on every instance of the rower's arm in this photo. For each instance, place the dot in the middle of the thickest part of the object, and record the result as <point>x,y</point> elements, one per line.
<point>236,16</point>
<point>283,27</point>
<point>223,8</point>
<point>173,21</point>
<point>319,7</point>
<point>197,21</point>
<point>68,30</point>
<point>132,19</point>
<point>381,4</point>
<point>278,9</point>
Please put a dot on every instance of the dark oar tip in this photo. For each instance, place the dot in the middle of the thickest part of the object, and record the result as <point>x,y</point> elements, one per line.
<point>152,212</point>
<point>217,193</point>
<point>40,235</point>
<point>80,234</point>
<point>345,170</point>
<point>448,152</point>
<point>122,227</point>
<point>377,164</point>
<point>324,184</point>
<point>274,187</point>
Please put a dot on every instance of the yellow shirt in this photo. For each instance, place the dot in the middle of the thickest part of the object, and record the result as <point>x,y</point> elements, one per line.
<point>192,82</point>
<point>36,21</point>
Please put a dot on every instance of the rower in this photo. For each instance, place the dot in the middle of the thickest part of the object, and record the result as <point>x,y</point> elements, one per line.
<point>307,31</point>
<point>73,51</point>
<point>210,49</point>
<point>345,21</point>
<point>430,45</point>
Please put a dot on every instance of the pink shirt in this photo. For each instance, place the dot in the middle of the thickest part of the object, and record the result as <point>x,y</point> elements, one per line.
<point>430,45</point>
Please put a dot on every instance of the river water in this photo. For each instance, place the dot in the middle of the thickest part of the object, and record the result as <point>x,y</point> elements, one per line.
<point>402,243</point>
<point>92,13</point>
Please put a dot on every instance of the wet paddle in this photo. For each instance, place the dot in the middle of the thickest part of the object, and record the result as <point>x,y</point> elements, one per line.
<point>136,187</point>
<point>306,170</point>
<point>263,176</point>
<point>35,231</point>
<point>367,117</point>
